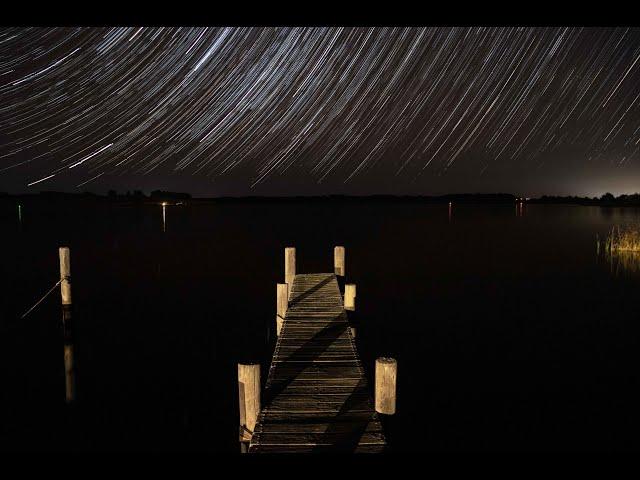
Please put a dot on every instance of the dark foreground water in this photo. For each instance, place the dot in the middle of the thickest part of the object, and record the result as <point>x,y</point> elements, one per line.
<point>508,331</point>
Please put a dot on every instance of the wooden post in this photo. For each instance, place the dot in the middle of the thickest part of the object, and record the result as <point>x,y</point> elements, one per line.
<point>289,267</point>
<point>386,374</point>
<point>65,275</point>
<point>65,293</point>
<point>282,302</point>
<point>350,296</point>
<point>338,261</point>
<point>248,400</point>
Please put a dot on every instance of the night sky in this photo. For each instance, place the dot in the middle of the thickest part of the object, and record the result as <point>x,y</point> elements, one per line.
<point>290,111</point>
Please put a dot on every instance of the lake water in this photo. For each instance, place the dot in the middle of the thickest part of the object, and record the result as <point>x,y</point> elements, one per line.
<point>509,331</point>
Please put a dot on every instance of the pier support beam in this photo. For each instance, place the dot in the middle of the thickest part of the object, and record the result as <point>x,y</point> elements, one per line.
<point>65,293</point>
<point>350,296</point>
<point>248,401</point>
<point>282,302</point>
<point>386,374</point>
<point>289,267</point>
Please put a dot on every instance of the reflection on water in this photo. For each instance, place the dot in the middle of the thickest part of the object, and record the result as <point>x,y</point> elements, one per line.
<point>164,216</point>
<point>69,369</point>
<point>450,206</point>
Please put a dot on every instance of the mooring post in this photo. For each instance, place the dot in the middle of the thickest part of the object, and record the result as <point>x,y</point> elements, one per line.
<point>338,261</point>
<point>350,296</point>
<point>248,401</point>
<point>386,374</point>
<point>289,267</point>
<point>339,266</point>
<point>350,305</point>
<point>65,293</point>
<point>282,302</point>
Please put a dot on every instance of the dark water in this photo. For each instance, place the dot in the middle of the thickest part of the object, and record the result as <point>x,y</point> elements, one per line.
<point>508,331</point>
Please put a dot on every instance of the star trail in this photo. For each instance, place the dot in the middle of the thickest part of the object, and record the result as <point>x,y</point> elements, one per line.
<point>344,109</point>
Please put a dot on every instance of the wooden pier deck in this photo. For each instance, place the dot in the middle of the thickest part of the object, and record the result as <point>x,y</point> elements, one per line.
<point>316,395</point>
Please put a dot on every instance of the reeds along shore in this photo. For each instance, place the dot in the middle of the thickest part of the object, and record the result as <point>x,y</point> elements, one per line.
<point>621,247</point>
<point>626,239</point>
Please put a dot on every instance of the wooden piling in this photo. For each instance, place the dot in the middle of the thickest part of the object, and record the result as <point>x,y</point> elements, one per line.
<point>289,266</point>
<point>248,400</point>
<point>338,261</point>
<point>65,293</point>
<point>65,275</point>
<point>282,302</point>
<point>350,296</point>
<point>386,374</point>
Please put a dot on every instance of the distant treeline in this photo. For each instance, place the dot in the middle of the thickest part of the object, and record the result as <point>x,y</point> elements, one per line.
<point>155,196</point>
<point>160,195</point>
<point>112,195</point>
<point>456,198</point>
<point>607,199</point>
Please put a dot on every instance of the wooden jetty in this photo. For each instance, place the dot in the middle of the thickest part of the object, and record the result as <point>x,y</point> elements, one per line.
<point>316,395</point>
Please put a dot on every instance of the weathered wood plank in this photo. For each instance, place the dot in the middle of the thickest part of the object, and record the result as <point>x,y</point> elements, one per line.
<point>257,448</point>
<point>356,436</point>
<point>333,427</point>
<point>318,417</point>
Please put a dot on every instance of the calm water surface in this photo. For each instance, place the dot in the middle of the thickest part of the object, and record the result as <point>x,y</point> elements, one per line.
<point>509,332</point>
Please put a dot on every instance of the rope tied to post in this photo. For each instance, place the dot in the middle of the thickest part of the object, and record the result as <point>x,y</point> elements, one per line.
<point>66,277</point>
